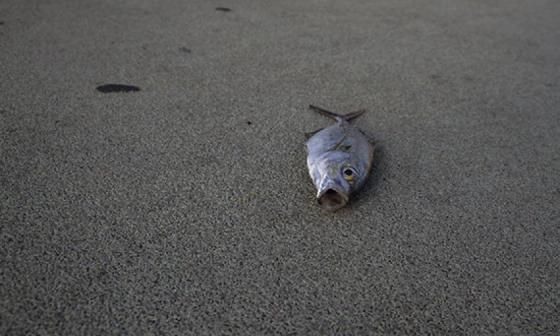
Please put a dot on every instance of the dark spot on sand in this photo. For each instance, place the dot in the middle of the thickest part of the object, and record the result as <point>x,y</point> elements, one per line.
<point>223,9</point>
<point>249,123</point>
<point>438,79</point>
<point>109,88</point>
<point>185,50</point>
<point>1,23</point>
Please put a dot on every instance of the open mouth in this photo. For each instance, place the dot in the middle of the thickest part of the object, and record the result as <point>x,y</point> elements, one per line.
<point>332,200</point>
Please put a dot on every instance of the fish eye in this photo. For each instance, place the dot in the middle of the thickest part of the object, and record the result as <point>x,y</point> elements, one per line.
<point>348,173</point>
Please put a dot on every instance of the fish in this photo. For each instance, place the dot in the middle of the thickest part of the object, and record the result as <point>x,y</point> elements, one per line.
<point>339,159</point>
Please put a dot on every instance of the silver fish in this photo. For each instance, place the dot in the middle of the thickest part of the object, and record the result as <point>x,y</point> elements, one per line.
<point>339,159</point>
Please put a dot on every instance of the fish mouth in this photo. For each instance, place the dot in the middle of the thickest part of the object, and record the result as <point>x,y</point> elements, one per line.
<point>331,199</point>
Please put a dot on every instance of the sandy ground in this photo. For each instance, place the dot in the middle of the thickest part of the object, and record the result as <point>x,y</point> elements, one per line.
<point>185,208</point>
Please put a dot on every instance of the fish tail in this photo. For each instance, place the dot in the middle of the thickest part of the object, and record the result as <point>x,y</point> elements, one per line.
<point>336,116</point>
<point>353,115</point>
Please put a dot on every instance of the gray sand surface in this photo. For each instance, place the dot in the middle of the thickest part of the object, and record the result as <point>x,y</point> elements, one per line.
<point>185,208</point>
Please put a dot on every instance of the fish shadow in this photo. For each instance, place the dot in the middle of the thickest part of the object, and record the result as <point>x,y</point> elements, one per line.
<point>375,177</point>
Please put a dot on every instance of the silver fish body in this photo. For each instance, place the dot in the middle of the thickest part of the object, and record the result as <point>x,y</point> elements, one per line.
<point>339,159</point>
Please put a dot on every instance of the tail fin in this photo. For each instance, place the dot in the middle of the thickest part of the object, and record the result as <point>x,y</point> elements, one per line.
<point>338,117</point>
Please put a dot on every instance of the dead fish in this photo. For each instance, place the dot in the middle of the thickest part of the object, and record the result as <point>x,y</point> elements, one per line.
<point>339,159</point>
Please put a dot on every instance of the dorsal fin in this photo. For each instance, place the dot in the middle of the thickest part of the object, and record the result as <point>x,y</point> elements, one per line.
<point>308,135</point>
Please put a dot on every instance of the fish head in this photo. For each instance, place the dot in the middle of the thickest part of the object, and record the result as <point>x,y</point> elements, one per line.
<point>336,176</point>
